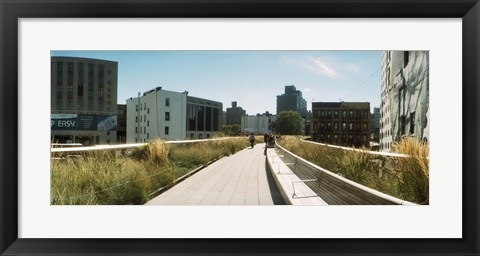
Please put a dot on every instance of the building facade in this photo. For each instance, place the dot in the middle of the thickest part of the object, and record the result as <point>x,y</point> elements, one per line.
<point>258,124</point>
<point>156,114</point>
<point>405,97</point>
<point>83,100</point>
<point>292,100</point>
<point>341,123</point>
<point>204,118</point>
<point>168,115</point>
<point>234,114</point>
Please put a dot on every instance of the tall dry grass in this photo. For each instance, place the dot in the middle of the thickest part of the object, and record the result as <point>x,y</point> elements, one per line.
<point>112,178</point>
<point>413,171</point>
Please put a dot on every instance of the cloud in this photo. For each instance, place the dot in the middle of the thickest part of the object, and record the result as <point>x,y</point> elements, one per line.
<point>329,67</point>
<point>321,67</point>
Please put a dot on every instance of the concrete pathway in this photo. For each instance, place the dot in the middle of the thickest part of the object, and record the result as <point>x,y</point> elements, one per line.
<point>240,179</point>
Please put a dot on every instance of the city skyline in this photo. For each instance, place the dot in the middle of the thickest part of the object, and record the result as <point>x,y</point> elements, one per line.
<point>251,78</point>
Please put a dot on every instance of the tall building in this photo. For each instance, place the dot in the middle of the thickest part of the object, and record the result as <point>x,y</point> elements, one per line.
<point>258,124</point>
<point>405,97</point>
<point>341,123</point>
<point>292,100</point>
<point>83,100</point>
<point>171,115</point>
<point>234,114</point>
<point>375,125</point>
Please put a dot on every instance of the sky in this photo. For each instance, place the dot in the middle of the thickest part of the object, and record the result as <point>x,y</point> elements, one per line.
<point>251,78</point>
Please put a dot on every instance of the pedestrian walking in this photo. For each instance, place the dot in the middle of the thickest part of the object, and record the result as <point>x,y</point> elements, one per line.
<point>252,139</point>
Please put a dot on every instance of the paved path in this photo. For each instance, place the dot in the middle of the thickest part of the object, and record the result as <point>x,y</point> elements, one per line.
<point>240,179</point>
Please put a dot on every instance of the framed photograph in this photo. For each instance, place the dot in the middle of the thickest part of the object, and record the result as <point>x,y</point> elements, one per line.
<point>432,44</point>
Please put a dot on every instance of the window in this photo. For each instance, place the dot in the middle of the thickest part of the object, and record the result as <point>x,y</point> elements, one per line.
<point>336,114</point>
<point>365,126</point>
<point>136,119</point>
<point>412,123</point>
<point>344,126</point>
<point>167,102</point>
<point>405,58</point>
<point>148,110</point>
<point>90,104</point>
<point>70,74</point>
<point>59,104</point>
<point>329,126</point>
<point>59,73</point>
<point>167,116</point>
<point>148,122</point>
<point>351,114</point>
<point>80,104</point>
<point>144,130</point>
<point>136,131</point>
<point>167,130</point>
<point>148,135</point>
<point>350,126</point>
<point>59,92</point>
<point>69,104</point>
<point>335,126</point>
<point>402,124</point>
<point>100,106</point>
<point>344,114</point>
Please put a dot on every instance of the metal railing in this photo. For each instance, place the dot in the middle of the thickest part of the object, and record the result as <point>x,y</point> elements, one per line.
<point>122,146</point>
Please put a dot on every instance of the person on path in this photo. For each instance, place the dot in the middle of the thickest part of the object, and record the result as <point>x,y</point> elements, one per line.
<point>252,139</point>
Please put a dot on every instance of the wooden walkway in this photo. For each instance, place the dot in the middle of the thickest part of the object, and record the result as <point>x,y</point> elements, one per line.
<point>240,179</point>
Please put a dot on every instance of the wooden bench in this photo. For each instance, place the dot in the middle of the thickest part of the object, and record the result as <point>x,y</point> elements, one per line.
<point>294,191</point>
<point>330,187</point>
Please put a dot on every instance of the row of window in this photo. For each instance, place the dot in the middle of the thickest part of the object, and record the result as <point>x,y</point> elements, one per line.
<point>336,114</point>
<point>402,125</point>
<point>342,139</point>
<point>167,104</point>
<point>167,118</point>
<point>69,105</point>
<point>342,126</point>
<point>137,131</point>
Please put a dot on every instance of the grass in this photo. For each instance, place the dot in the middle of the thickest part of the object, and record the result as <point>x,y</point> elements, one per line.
<point>402,177</point>
<point>115,178</point>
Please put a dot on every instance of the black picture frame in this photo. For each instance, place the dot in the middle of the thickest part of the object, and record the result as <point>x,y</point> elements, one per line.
<point>11,11</point>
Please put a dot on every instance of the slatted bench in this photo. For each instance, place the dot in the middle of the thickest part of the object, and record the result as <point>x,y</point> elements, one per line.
<point>294,190</point>
<point>330,187</point>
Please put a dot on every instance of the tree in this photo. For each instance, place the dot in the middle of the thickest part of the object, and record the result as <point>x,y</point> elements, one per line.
<point>230,130</point>
<point>236,129</point>
<point>288,123</point>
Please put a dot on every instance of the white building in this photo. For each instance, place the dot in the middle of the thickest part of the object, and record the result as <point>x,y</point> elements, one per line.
<point>405,96</point>
<point>156,114</point>
<point>171,115</point>
<point>259,124</point>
